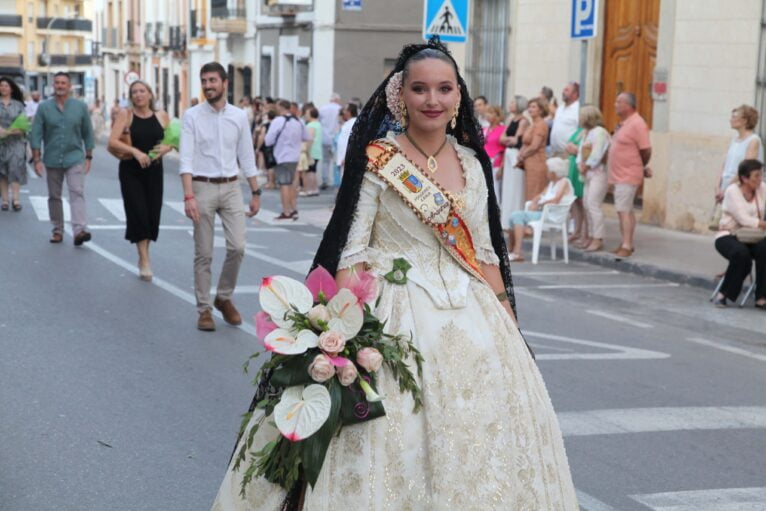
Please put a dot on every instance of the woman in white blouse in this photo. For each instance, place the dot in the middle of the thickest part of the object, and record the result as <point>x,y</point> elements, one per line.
<point>743,207</point>
<point>591,161</point>
<point>745,145</point>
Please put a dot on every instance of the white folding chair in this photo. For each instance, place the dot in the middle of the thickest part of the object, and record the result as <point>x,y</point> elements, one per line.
<point>554,219</point>
<point>748,291</point>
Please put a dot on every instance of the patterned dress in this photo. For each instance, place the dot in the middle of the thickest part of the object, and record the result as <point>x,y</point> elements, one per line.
<point>12,148</point>
<point>487,437</point>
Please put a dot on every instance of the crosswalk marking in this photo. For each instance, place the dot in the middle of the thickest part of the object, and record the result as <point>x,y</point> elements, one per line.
<point>723,499</point>
<point>115,207</point>
<point>621,319</point>
<point>40,206</point>
<point>643,420</point>
<point>614,351</point>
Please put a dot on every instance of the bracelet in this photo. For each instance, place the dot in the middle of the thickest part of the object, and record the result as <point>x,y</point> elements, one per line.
<point>257,193</point>
<point>187,198</point>
<point>502,297</point>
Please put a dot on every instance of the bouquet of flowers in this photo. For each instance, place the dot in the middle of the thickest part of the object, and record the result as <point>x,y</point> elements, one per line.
<point>327,346</point>
<point>21,123</point>
<point>171,137</point>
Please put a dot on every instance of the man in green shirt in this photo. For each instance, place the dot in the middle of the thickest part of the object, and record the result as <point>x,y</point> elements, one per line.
<point>62,125</point>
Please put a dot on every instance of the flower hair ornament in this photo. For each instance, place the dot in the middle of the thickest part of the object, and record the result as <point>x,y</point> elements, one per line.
<point>394,98</point>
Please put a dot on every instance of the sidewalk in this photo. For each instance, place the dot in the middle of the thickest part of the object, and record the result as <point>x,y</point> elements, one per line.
<point>665,254</point>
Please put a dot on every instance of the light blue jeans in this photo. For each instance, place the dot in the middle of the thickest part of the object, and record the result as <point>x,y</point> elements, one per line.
<point>524,217</point>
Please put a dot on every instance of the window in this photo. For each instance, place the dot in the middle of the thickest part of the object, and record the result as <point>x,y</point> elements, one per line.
<point>486,67</point>
<point>302,81</point>
<point>265,81</point>
<point>30,52</point>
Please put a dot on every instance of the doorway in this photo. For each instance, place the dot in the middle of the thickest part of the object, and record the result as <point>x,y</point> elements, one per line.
<point>630,53</point>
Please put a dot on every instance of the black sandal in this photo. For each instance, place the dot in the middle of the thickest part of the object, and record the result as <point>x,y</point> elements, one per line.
<point>4,207</point>
<point>761,306</point>
<point>17,206</point>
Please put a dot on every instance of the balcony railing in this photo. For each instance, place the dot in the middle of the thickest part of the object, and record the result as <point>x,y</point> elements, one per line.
<point>66,24</point>
<point>228,13</point>
<point>65,60</point>
<point>11,60</point>
<point>10,20</point>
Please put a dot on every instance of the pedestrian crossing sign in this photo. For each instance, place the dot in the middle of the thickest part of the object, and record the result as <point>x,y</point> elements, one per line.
<point>446,18</point>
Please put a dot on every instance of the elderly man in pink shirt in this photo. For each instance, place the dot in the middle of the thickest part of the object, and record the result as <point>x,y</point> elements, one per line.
<point>628,162</point>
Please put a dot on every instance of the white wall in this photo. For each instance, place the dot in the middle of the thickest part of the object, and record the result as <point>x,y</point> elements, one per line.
<point>715,54</point>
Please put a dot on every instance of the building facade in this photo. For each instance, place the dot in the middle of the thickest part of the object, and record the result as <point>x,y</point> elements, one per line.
<point>689,62</point>
<point>44,37</point>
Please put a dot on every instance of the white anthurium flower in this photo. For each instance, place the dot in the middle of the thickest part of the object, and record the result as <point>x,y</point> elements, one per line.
<point>277,294</point>
<point>346,316</point>
<point>302,411</point>
<point>285,342</point>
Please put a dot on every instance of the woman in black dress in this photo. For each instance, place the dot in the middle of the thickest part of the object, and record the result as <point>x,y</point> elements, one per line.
<point>141,175</point>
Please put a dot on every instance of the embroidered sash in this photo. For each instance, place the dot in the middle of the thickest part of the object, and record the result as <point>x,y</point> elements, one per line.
<point>427,199</point>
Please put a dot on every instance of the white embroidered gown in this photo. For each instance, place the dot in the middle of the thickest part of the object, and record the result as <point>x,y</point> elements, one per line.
<point>487,437</point>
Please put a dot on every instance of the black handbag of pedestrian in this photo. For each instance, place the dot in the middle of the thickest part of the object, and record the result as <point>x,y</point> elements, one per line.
<point>268,150</point>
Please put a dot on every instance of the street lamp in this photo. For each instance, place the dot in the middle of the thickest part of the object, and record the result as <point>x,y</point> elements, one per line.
<point>47,54</point>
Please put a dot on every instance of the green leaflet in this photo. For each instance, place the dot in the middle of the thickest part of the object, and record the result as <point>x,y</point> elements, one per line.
<point>399,273</point>
<point>294,371</point>
<point>314,448</point>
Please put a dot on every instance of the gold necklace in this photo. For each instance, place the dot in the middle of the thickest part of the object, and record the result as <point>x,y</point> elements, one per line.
<point>431,162</point>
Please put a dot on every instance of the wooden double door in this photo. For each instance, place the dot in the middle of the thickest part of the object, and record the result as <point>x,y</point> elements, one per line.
<point>630,53</point>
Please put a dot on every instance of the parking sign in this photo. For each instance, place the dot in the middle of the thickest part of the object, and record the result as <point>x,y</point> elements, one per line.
<point>584,19</point>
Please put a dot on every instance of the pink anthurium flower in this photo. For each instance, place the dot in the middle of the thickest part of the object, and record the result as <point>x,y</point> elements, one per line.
<point>320,281</point>
<point>364,285</point>
<point>263,325</point>
<point>339,361</point>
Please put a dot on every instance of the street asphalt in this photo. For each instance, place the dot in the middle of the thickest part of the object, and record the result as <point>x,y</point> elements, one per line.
<point>111,399</point>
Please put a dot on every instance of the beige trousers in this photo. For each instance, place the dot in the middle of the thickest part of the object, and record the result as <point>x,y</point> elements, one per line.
<point>596,186</point>
<point>225,199</point>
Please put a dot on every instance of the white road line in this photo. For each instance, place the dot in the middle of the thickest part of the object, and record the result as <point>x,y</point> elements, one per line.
<point>241,290</point>
<point>722,499</point>
<point>621,319</point>
<point>118,227</point>
<point>530,294</point>
<point>299,267</point>
<point>115,207</point>
<point>31,172</point>
<point>730,349</point>
<point>645,420</point>
<point>603,286</point>
<point>590,503</point>
<point>563,273</point>
<point>40,205</point>
<point>616,352</point>
<point>162,284</point>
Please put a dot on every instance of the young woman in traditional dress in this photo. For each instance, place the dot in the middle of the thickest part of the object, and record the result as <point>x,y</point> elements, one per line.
<point>418,186</point>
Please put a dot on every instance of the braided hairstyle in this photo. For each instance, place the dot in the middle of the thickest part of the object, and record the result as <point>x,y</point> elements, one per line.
<point>373,123</point>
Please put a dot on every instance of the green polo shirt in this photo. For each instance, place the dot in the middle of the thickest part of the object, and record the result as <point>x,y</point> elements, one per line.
<point>62,133</point>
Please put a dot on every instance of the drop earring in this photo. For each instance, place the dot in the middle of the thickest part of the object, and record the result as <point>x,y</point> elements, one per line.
<point>453,122</point>
<point>403,111</point>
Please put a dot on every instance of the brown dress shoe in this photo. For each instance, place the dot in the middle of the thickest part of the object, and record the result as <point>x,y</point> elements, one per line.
<point>230,313</point>
<point>56,237</point>
<point>205,321</point>
<point>623,252</point>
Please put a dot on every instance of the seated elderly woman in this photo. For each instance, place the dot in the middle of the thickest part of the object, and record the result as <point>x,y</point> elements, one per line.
<point>738,235</point>
<point>559,189</point>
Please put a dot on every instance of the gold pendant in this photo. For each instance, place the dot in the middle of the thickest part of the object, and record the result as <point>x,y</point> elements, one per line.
<point>433,166</point>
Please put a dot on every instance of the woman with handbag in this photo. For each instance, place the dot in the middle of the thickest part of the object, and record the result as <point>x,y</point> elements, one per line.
<point>742,234</point>
<point>136,132</point>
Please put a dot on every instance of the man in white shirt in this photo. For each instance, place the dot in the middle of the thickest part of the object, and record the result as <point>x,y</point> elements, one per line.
<point>30,106</point>
<point>328,117</point>
<point>349,117</point>
<point>215,136</point>
<point>479,108</point>
<point>566,121</point>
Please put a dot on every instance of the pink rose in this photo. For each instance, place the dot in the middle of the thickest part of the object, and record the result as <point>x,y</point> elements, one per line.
<point>370,359</point>
<point>332,342</point>
<point>347,374</point>
<point>321,369</point>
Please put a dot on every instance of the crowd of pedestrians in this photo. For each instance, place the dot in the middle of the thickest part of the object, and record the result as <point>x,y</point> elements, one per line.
<point>538,131</point>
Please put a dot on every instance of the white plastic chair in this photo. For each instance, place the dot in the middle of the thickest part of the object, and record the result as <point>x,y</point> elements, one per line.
<point>554,219</point>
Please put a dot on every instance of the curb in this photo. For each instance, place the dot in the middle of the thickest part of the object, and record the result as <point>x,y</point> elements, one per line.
<point>636,268</point>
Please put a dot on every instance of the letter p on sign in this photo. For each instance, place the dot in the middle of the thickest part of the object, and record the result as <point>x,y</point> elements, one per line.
<point>584,19</point>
